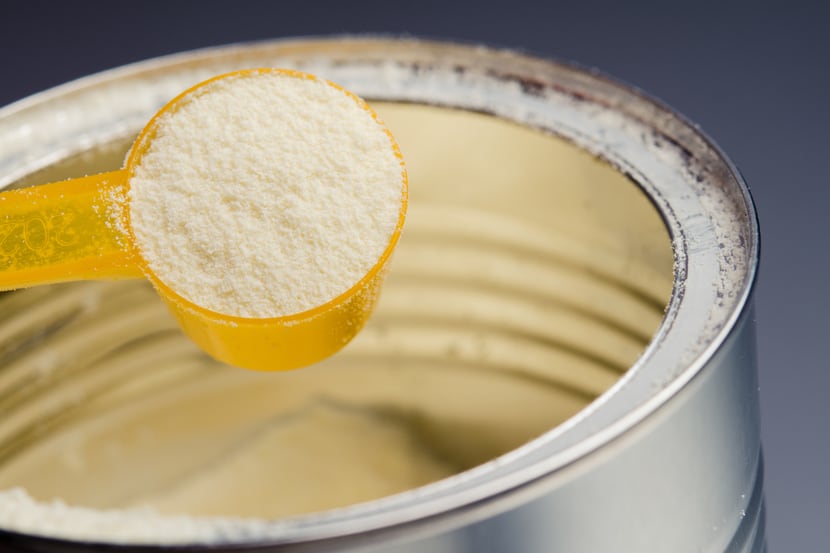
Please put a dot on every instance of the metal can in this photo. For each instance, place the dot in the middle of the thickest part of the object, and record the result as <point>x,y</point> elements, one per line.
<point>568,323</point>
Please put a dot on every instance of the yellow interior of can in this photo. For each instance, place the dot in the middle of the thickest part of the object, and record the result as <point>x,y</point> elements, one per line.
<point>529,277</point>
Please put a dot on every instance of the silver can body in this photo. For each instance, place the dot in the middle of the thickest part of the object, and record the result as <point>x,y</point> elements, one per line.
<point>668,458</point>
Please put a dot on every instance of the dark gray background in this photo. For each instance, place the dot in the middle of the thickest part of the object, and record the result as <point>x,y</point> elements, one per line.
<point>754,75</point>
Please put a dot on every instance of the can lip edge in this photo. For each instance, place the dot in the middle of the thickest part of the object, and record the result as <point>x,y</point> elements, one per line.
<point>169,62</point>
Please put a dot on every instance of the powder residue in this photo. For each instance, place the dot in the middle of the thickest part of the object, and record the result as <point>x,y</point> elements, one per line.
<point>284,469</point>
<point>21,513</point>
<point>266,195</point>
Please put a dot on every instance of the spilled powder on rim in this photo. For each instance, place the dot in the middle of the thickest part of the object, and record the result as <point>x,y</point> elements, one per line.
<point>266,195</point>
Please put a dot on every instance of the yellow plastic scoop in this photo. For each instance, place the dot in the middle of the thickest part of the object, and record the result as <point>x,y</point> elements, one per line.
<point>80,229</point>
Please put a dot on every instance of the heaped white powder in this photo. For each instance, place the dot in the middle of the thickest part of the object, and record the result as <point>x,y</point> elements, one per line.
<point>266,195</point>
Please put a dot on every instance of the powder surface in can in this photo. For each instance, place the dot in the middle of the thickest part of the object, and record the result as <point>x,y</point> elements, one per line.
<point>266,195</point>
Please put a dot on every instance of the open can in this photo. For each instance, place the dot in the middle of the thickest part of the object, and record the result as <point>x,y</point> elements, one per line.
<point>562,360</point>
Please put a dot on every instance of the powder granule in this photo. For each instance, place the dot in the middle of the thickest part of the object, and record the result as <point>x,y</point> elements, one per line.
<point>266,195</point>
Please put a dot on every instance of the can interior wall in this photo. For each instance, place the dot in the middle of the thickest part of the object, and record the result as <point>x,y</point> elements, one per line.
<point>537,267</point>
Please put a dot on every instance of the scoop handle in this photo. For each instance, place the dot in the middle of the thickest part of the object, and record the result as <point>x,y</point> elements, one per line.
<point>68,230</point>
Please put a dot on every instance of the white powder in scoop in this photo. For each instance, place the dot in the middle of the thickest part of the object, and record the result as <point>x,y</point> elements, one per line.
<point>266,195</point>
